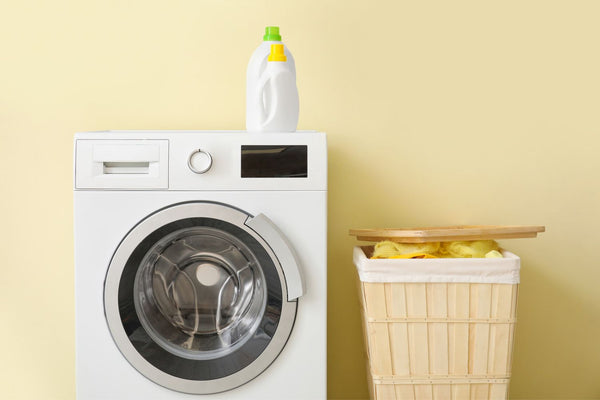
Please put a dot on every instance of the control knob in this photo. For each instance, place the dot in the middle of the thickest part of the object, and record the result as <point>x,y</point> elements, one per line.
<point>200,161</point>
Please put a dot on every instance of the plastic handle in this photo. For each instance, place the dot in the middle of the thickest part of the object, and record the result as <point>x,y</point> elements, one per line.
<point>267,116</point>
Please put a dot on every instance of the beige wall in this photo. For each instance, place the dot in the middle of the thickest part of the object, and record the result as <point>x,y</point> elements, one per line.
<point>444,112</point>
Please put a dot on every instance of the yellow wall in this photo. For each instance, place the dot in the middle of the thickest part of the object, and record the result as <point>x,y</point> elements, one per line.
<point>444,112</point>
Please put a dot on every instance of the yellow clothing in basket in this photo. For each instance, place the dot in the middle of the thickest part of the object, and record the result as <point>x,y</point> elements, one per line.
<point>413,255</point>
<point>388,249</point>
<point>494,254</point>
<point>470,249</point>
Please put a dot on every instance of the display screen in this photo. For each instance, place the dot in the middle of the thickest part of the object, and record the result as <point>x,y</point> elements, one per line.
<point>275,161</point>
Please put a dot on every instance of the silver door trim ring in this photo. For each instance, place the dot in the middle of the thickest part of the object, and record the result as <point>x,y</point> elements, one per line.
<point>115,325</point>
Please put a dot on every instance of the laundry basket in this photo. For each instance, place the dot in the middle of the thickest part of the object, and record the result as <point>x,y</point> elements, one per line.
<point>439,329</point>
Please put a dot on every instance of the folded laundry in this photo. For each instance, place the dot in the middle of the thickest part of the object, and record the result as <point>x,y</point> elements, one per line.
<point>458,249</point>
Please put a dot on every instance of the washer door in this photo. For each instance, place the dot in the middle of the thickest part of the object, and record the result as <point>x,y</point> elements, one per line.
<point>196,296</point>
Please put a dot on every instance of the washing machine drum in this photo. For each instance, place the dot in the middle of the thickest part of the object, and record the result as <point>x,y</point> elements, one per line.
<point>196,298</point>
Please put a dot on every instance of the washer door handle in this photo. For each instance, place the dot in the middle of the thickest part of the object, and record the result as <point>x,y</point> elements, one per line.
<point>284,253</point>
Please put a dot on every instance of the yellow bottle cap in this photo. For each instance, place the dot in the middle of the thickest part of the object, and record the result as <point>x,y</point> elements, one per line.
<point>277,53</point>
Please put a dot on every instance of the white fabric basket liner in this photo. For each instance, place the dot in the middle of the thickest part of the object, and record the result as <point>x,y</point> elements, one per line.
<point>459,270</point>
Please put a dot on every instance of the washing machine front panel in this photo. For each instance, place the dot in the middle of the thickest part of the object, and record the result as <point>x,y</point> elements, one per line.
<point>197,300</point>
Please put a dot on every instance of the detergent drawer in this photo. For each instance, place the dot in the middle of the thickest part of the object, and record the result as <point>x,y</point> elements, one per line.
<point>122,164</point>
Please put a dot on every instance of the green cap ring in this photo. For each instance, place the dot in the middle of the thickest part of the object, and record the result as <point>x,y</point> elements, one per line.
<point>272,34</point>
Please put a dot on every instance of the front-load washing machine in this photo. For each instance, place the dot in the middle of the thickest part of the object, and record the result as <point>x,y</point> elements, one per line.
<point>200,265</point>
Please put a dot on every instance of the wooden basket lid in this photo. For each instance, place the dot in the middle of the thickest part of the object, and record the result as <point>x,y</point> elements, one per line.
<point>448,233</point>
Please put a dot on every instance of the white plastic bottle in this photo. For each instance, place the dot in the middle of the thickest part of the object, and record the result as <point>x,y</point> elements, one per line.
<point>258,99</point>
<point>275,101</point>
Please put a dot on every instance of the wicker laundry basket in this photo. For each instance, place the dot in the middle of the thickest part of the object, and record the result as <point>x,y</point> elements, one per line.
<point>440,329</point>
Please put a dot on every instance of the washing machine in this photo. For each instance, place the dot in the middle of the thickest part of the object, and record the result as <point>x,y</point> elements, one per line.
<point>200,265</point>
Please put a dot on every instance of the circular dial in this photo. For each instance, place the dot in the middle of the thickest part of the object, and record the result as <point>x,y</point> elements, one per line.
<point>200,161</point>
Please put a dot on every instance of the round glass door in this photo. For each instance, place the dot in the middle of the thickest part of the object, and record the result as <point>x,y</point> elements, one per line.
<point>200,293</point>
<point>196,300</point>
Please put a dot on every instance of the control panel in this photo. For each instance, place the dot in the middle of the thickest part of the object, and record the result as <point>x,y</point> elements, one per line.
<point>201,160</point>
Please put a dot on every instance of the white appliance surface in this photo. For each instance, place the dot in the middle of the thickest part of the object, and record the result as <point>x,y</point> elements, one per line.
<point>116,189</point>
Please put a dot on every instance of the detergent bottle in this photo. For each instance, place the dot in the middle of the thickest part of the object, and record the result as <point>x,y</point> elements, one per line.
<point>271,92</point>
